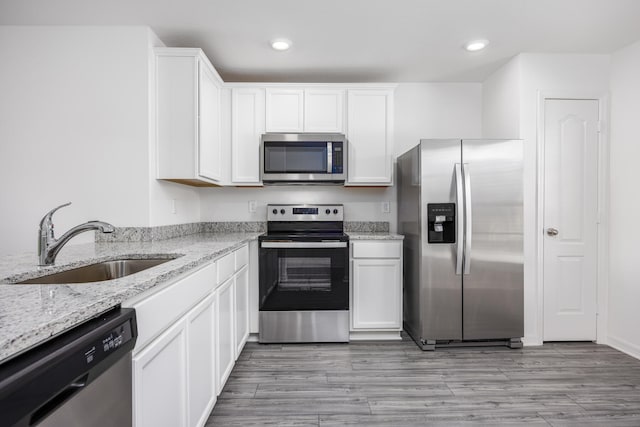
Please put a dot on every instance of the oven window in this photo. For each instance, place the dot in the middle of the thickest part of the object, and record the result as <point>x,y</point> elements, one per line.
<point>304,274</point>
<point>295,157</point>
<point>304,279</point>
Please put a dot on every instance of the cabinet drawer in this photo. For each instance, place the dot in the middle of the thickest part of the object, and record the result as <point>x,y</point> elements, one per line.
<point>242,257</point>
<point>158,311</point>
<point>226,267</point>
<point>377,249</point>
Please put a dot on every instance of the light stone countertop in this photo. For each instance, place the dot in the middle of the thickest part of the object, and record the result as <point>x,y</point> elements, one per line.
<point>374,236</point>
<point>30,314</point>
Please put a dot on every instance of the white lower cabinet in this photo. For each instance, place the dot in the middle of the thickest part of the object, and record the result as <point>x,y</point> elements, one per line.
<point>242,309</point>
<point>160,380</point>
<point>376,286</point>
<point>190,335</point>
<point>225,340</point>
<point>201,394</point>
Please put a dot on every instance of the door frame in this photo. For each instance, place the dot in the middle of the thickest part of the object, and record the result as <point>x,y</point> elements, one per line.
<point>602,227</point>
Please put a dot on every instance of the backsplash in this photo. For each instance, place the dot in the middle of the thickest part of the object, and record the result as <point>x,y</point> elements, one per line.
<point>366,226</point>
<point>163,232</point>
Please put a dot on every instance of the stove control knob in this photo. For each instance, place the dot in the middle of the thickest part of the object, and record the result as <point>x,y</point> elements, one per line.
<point>282,211</point>
<point>328,211</point>
<point>335,211</point>
<point>275,211</point>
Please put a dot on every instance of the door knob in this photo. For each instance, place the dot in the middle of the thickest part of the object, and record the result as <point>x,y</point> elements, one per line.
<point>552,232</point>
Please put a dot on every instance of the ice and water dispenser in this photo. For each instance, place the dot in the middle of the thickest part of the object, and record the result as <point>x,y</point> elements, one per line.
<point>442,222</point>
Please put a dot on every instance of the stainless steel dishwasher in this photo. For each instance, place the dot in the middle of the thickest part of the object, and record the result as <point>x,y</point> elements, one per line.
<point>81,377</point>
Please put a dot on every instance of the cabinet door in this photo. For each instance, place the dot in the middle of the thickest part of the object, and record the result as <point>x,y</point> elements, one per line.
<point>242,309</point>
<point>370,137</point>
<point>160,381</point>
<point>285,110</point>
<point>225,340</point>
<point>247,125</point>
<point>200,361</point>
<point>323,110</point>
<point>376,294</point>
<point>209,143</point>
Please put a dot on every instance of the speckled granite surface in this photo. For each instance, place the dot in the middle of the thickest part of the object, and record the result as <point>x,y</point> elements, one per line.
<point>30,314</point>
<point>366,226</point>
<point>373,236</point>
<point>163,232</point>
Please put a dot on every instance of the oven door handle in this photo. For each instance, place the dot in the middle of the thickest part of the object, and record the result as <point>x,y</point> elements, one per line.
<point>303,245</point>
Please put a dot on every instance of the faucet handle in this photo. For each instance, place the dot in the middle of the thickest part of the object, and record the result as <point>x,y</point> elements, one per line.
<point>46,220</point>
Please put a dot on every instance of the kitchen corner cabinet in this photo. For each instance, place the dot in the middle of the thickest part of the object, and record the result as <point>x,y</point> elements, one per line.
<point>188,117</point>
<point>376,285</point>
<point>247,126</point>
<point>370,137</point>
<point>315,110</point>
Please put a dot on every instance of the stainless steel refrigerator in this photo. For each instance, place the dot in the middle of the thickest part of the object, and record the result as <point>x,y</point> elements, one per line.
<point>460,208</point>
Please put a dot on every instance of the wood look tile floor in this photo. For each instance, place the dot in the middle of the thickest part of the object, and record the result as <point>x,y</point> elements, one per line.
<point>396,384</point>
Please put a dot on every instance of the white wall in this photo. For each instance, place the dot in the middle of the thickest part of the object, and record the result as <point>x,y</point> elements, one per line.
<point>422,110</point>
<point>512,94</point>
<point>624,231</point>
<point>73,108</point>
<point>436,110</point>
<point>77,122</point>
<point>501,95</point>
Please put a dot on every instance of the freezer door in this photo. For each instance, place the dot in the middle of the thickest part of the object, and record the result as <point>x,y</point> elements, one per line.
<point>441,287</point>
<point>493,261</point>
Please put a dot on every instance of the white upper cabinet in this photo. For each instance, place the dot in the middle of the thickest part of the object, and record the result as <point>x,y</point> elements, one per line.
<point>285,110</point>
<point>209,144</point>
<point>187,117</point>
<point>370,137</point>
<point>305,110</point>
<point>247,125</point>
<point>323,110</point>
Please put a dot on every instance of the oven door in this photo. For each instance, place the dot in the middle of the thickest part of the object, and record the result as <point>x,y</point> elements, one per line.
<point>304,276</point>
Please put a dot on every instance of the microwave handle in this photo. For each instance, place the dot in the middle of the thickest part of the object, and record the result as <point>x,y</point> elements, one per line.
<point>329,157</point>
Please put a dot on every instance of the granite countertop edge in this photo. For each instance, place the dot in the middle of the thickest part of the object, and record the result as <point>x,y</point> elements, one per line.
<point>31,314</point>
<point>374,236</point>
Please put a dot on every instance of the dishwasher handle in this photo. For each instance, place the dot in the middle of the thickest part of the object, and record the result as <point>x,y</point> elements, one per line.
<point>67,393</point>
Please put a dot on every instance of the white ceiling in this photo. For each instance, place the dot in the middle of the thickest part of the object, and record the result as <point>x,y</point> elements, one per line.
<point>356,40</point>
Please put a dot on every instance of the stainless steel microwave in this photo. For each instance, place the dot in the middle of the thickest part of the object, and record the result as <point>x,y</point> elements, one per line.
<point>304,158</point>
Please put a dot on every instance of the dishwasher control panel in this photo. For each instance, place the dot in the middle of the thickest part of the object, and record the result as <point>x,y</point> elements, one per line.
<point>109,342</point>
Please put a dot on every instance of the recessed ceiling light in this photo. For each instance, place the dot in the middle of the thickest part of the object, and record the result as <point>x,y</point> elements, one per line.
<point>281,44</point>
<point>476,45</point>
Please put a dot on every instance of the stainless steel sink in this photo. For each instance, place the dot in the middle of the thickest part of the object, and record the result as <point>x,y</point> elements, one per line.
<point>107,270</point>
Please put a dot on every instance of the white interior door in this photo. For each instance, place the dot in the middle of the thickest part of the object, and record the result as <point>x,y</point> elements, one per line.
<point>570,219</point>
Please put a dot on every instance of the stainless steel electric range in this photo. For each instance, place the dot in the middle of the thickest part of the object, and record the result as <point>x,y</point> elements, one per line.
<point>304,275</point>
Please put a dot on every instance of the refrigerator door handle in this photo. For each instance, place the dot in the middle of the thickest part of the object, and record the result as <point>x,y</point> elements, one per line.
<point>459,218</point>
<point>468,232</point>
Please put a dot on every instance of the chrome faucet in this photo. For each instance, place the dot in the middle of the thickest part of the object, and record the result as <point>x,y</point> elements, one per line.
<point>49,246</point>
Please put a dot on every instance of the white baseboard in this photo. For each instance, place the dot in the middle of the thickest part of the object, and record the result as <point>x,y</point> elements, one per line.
<point>624,346</point>
<point>375,336</point>
<point>531,341</point>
